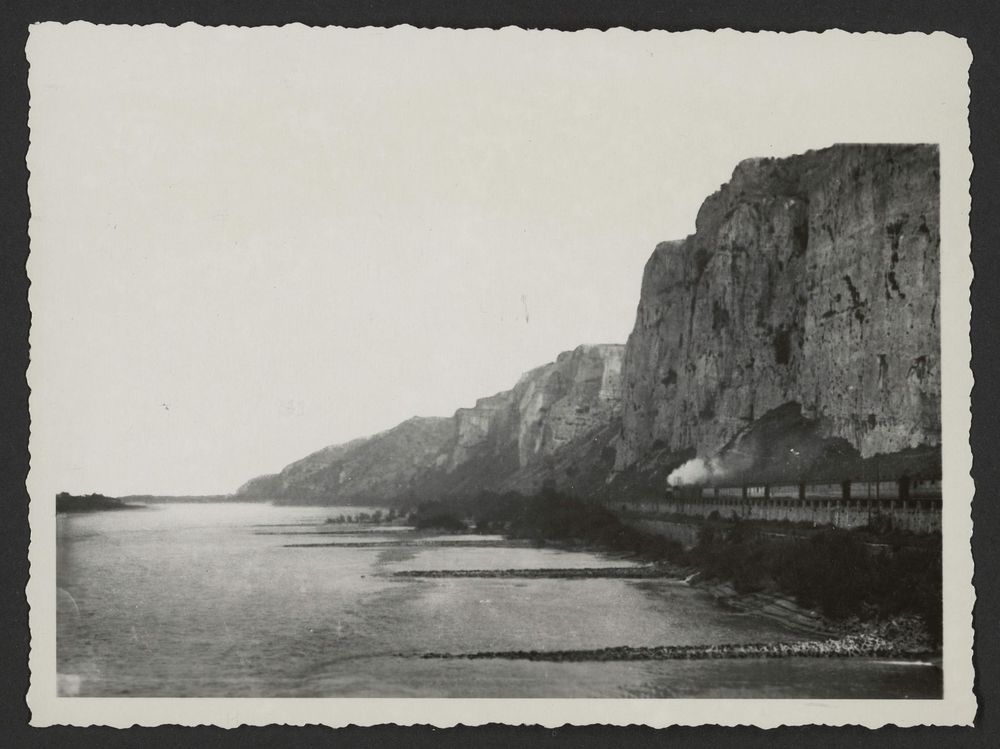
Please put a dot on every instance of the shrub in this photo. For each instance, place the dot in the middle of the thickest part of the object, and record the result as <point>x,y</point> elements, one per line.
<point>441,521</point>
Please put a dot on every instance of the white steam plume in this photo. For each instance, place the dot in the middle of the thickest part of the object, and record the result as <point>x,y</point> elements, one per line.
<point>696,471</point>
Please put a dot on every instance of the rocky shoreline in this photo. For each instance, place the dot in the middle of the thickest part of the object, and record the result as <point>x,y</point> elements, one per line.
<point>771,606</point>
<point>848,646</point>
<point>900,636</point>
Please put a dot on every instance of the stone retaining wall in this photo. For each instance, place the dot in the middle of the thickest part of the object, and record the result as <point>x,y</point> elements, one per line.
<point>918,515</point>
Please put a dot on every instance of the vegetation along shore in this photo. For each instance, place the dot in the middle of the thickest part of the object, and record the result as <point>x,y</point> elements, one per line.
<point>66,502</point>
<point>867,599</point>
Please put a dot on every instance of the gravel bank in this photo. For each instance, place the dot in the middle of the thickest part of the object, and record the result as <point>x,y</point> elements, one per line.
<point>857,645</point>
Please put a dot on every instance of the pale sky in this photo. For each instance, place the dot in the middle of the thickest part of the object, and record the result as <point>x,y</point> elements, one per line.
<point>249,244</point>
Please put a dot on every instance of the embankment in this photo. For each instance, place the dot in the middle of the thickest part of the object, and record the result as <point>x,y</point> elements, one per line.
<point>825,580</point>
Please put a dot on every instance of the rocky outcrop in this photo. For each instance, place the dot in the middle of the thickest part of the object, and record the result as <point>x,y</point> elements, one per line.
<point>796,332</point>
<point>811,280</point>
<point>548,408</point>
<point>546,428</point>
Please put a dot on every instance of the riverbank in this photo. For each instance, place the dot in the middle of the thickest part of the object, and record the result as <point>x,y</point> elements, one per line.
<point>91,503</point>
<point>829,584</point>
<point>903,635</point>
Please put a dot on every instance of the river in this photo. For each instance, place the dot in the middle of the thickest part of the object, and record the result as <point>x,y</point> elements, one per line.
<point>255,600</point>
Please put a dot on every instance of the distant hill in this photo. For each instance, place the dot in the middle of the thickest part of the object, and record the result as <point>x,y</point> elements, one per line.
<point>512,440</point>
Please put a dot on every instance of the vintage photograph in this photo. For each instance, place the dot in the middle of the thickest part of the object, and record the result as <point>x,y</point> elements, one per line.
<point>506,365</point>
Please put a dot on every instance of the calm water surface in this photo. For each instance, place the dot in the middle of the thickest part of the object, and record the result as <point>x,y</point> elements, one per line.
<point>210,600</point>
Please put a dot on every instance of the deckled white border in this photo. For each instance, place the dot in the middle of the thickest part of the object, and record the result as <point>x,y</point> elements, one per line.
<point>958,706</point>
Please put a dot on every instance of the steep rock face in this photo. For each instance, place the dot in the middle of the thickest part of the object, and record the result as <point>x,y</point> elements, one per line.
<point>549,407</point>
<point>486,427</point>
<point>554,426</point>
<point>514,439</point>
<point>812,279</point>
<point>562,401</point>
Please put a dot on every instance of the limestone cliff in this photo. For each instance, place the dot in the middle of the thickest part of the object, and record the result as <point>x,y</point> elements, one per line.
<point>796,331</point>
<point>811,280</point>
<point>549,407</point>
<point>516,439</point>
